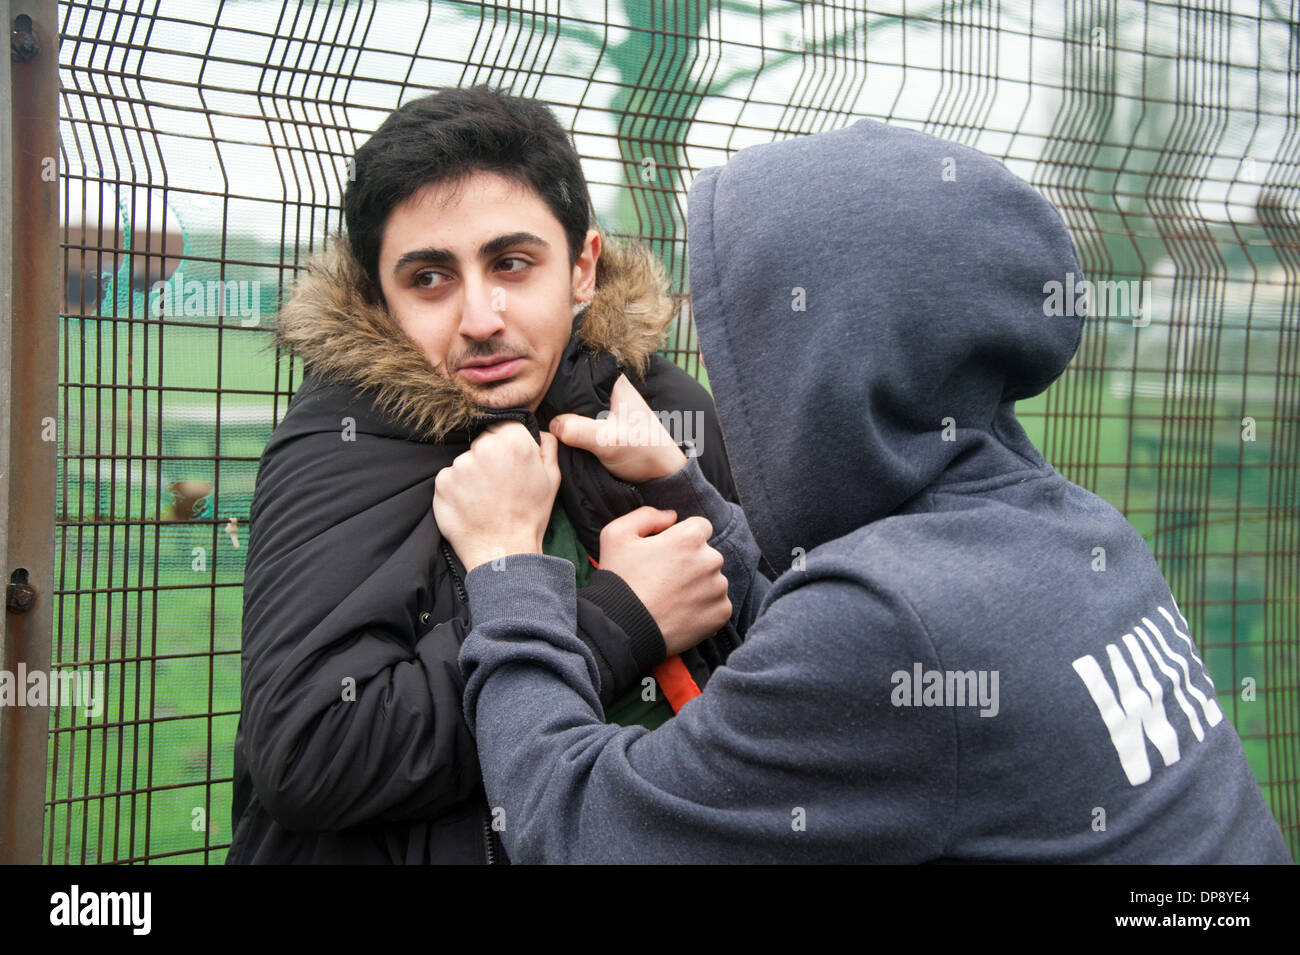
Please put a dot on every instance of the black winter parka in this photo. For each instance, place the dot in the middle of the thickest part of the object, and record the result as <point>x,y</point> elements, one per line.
<point>351,746</point>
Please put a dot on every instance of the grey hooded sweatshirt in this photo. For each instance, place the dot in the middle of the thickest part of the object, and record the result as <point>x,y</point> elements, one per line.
<point>943,670</point>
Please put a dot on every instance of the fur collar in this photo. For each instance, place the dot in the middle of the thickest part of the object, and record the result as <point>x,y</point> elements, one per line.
<point>342,337</point>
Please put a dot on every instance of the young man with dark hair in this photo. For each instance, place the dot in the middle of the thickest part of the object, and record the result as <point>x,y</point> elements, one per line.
<point>471,288</point>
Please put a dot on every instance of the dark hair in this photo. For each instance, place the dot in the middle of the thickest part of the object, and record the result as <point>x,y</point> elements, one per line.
<point>447,136</point>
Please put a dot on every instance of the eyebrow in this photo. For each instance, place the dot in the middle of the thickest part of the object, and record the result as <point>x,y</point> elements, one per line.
<point>486,250</point>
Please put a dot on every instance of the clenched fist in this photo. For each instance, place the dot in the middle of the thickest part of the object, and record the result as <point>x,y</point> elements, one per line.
<point>496,498</point>
<point>672,570</point>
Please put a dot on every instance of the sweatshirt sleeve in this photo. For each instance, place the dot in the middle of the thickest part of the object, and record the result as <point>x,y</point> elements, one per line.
<point>792,753</point>
<point>690,494</point>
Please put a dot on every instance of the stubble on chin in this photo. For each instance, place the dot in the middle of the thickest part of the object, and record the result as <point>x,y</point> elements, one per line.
<point>509,394</point>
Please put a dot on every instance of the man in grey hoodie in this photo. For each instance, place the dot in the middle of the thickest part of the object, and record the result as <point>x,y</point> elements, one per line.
<point>941,670</point>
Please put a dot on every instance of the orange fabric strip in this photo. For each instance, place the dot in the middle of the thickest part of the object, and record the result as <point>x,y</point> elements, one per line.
<point>677,683</point>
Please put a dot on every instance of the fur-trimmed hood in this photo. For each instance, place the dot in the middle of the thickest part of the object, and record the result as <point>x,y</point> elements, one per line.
<point>342,337</point>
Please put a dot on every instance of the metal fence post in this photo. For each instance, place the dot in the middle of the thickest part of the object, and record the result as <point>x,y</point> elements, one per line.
<point>29,339</point>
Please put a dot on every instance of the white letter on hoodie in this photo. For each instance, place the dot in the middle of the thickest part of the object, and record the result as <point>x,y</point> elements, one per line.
<point>1135,716</point>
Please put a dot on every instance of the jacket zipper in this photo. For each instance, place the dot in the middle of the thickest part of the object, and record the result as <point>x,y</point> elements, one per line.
<point>490,838</point>
<point>455,574</point>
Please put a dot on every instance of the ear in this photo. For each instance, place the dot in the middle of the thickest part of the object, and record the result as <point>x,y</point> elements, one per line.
<point>584,269</point>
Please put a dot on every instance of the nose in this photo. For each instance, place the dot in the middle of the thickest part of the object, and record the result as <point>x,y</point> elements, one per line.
<point>481,312</point>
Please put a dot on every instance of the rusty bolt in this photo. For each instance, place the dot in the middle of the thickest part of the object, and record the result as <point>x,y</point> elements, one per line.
<point>20,596</point>
<point>22,44</point>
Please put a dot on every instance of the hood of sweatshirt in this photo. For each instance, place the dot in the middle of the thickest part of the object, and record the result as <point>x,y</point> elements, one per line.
<point>870,305</point>
<point>342,337</point>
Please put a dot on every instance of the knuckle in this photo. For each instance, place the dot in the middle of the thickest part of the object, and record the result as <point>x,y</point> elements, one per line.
<point>699,526</point>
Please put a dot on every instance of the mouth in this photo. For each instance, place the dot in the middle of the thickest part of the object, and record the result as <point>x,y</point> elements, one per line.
<point>497,371</point>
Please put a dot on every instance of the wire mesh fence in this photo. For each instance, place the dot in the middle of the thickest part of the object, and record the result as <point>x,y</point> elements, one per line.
<point>204,148</point>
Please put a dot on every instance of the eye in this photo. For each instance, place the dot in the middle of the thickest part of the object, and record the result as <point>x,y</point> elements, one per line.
<point>524,264</point>
<point>420,279</point>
